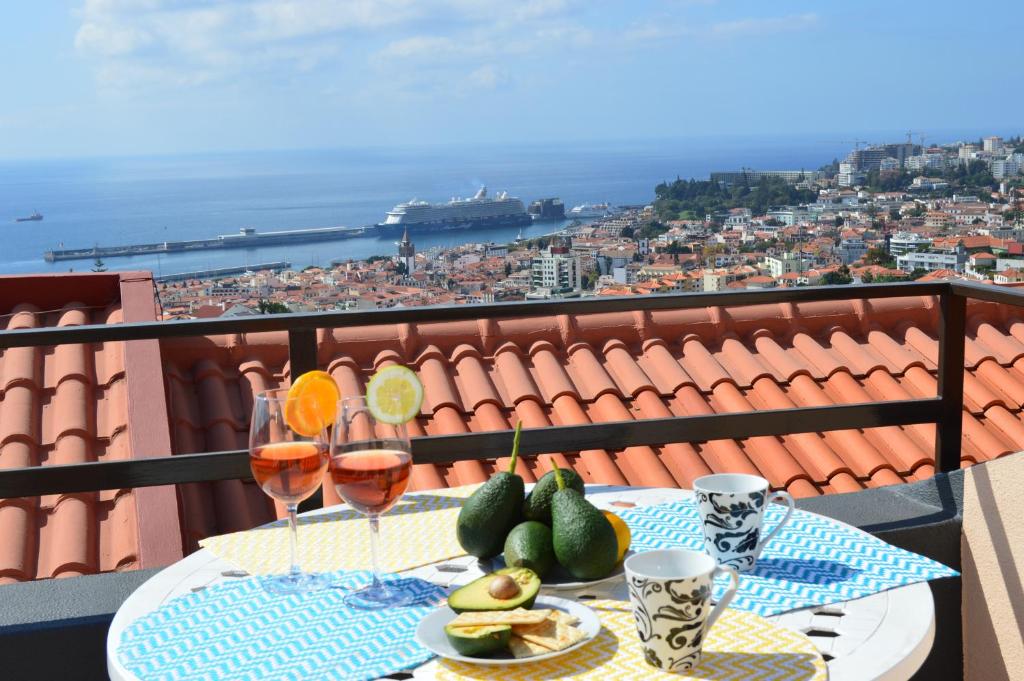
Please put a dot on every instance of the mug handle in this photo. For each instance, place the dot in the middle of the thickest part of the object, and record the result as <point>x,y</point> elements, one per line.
<point>722,604</point>
<point>775,530</point>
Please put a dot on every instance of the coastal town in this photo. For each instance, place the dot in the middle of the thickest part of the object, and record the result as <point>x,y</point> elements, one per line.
<point>886,212</point>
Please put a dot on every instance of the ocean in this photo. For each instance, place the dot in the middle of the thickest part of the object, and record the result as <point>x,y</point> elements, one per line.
<point>127,200</point>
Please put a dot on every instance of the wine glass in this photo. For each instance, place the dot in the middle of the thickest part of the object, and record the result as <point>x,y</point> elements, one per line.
<point>289,467</point>
<point>370,467</point>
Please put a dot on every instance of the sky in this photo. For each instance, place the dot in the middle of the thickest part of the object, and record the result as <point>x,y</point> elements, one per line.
<point>113,77</point>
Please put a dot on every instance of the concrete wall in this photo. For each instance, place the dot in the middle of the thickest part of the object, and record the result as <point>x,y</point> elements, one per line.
<point>992,550</point>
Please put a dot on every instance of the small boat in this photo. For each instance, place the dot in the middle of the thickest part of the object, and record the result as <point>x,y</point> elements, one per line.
<point>35,217</point>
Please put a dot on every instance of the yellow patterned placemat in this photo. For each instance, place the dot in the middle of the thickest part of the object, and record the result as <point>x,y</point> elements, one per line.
<point>419,530</point>
<point>741,646</point>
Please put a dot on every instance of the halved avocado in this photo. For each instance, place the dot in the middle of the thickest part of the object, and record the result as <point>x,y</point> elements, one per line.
<point>479,641</point>
<point>506,589</point>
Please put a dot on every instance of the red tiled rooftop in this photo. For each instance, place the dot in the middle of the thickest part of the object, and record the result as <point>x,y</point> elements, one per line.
<point>72,404</point>
<point>483,375</point>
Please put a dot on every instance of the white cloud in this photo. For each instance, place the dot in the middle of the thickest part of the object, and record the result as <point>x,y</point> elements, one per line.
<point>649,32</point>
<point>424,45</point>
<point>764,26</point>
<point>420,47</point>
<point>487,77</point>
<point>110,40</point>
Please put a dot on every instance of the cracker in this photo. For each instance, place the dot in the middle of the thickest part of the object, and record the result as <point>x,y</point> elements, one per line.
<point>514,617</point>
<point>565,618</point>
<point>522,648</point>
<point>551,633</point>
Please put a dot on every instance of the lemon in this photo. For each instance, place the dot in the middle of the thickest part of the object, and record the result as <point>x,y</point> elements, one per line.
<point>394,395</point>
<point>311,403</point>
<point>623,536</point>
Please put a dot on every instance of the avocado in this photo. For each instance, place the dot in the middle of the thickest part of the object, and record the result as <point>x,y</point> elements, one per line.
<point>480,593</point>
<point>492,510</point>
<point>538,502</point>
<point>583,539</point>
<point>529,545</point>
<point>479,641</point>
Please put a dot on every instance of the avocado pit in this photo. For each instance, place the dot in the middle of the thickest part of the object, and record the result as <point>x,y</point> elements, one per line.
<point>503,588</point>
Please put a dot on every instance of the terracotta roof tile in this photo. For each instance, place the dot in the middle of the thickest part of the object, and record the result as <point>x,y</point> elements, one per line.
<point>483,376</point>
<point>66,405</point>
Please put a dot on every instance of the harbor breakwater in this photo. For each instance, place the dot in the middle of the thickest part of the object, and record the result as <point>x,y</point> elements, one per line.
<point>246,238</point>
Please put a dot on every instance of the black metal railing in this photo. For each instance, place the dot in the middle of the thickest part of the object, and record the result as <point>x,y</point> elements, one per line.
<point>944,410</point>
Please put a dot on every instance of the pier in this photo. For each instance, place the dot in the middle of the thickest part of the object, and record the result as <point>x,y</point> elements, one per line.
<point>247,237</point>
<point>223,271</point>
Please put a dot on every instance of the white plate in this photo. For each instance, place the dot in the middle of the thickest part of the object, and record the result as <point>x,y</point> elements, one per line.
<point>558,579</point>
<point>430,632</point>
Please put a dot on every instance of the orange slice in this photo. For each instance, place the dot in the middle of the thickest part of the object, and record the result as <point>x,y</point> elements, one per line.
<point>623,536</point>
<point>311,403</point>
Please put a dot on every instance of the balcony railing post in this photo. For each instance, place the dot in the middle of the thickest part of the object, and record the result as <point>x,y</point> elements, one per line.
<point>301,351</point>
<point>952,336</point>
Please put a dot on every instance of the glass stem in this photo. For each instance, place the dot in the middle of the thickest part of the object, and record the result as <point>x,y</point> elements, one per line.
<point>375,549</point>
<point>293,535</point>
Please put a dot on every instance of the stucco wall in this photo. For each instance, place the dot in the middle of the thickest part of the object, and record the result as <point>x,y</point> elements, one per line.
<point>993,569</point>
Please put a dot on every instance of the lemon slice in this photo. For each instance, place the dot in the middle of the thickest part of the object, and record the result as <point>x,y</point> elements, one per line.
<point>394,395</point>
<point>311,403</point>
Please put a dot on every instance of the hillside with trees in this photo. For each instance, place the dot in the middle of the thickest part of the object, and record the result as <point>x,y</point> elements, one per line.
<point>693,199</point>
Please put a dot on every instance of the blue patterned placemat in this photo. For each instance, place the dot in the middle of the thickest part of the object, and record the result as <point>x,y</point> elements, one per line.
<point>239,631</point>
<point>812,561</point>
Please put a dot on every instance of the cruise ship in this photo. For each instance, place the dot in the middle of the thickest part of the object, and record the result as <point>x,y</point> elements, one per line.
<point>479,212</point>
<point>590,210</point>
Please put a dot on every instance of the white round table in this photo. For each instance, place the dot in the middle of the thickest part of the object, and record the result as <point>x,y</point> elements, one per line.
<point>883,636</point>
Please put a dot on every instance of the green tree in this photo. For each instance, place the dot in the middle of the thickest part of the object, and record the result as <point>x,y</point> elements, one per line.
<point>689,199</point>
<point>879,256</point>
<point>265,306</point>
<point>627,232</point>
<point>508,269</point>
<point>917,273</point>
<point>840,276</point>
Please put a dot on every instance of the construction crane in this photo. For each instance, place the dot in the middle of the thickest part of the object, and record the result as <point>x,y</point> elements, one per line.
<point>855,142</point>
<point>920,137</point>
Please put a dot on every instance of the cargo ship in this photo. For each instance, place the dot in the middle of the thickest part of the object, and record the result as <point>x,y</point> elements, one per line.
<point>35,217</point>
<point>478,212</point>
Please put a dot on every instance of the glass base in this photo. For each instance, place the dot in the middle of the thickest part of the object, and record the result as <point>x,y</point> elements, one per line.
<point>387,593</point>
<point>296,583</point>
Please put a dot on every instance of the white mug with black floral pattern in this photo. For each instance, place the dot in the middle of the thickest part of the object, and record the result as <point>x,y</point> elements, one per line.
<point>670,592</point>
<point>731,507</point>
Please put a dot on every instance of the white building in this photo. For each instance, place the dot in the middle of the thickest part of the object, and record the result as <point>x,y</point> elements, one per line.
<point>1005,167</point>
<point>556,273</point>
<point>932,261</point>
<point>849,175</point>
<point>993,145</point>
<point>907,242</point>
<point>926,162</point>
<point>784,264</point>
